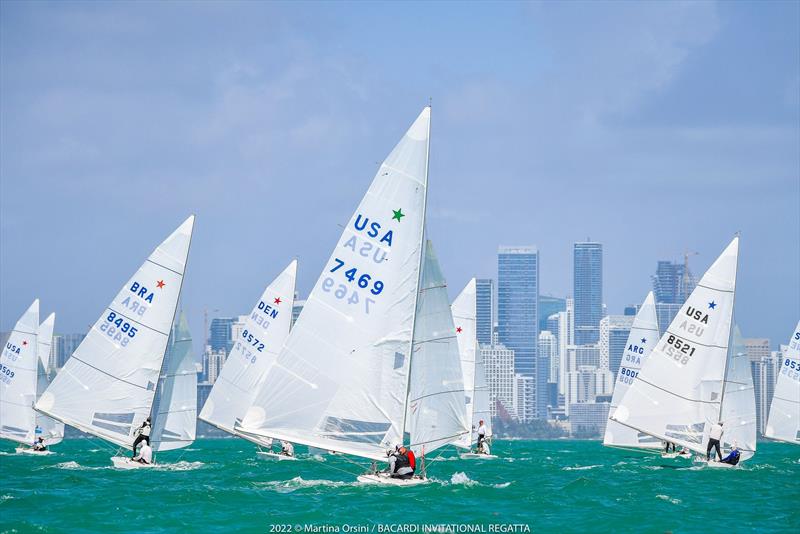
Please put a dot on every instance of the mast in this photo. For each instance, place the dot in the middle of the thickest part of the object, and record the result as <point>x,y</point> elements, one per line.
<point>419,277</point>
<point>730,338</point>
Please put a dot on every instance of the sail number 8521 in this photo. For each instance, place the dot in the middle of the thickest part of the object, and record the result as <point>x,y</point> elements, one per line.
<point>678,350</point>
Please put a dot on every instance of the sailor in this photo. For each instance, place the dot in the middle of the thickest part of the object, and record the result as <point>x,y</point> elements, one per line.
<point>287,449</point>
<point>733,457</point>
<point>402,462</point>
<point>481,436</point>
<point>145,455</point>
<point>714,435</point>
<point>667,445</point>
<point>39,445</point>
<point>143,434</point>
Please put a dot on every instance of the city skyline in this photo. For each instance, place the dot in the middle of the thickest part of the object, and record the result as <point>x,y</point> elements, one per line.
<point>271,137</point>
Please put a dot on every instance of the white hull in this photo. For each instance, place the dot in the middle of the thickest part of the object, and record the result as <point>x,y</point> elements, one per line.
<point>382,478</point>
<point>26,450</point>
<point>477,455</point>
<point>121,462</point>
<point>714,463</point>
<point>266,455</point>
<point>670,455</point>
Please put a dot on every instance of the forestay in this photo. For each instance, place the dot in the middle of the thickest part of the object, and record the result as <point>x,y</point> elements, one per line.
<point>252,355</point>
<point>738,413</point>
<point>174,419</point>
<point>340,381</point>
<point>106,388</point>
<point>46,427</point>
<point>18,369</point>
<point>677,394</point>
<point>784,413</point>
<point>641,340</point>
<point>436,414</point>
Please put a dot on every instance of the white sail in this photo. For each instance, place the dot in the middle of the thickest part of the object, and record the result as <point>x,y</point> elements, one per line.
<point>677,394</point>
<point>464,310</point>
<point>641,341</point>
<point>46,427</point>
<point>784,413</point>
<point>436,414</point>
<point>18,370</point>
<point>739,401</point>
<point>251,356</point>
<point>106,388</point>
<point>340,381</point>
<point>174,413</point>
<point>481,399</point>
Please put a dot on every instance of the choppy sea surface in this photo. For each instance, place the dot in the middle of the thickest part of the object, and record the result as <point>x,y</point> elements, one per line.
<point>567,486</point>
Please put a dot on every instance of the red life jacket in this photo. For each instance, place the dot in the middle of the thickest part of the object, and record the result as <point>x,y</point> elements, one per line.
<point>412,460</point>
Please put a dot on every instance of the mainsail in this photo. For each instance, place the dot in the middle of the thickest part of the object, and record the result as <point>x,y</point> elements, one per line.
<point>18,370</point>
<point>677,394</point>
<point>784,413</point>
<point>46,427</point>
<point>436,414</point>
<point>341,380</point>
<point>106,388</point>
<point>251,356</point>
<point>174,413</point>
<point>641,341</point>
<point>738,413</point>
<point>476,390</point>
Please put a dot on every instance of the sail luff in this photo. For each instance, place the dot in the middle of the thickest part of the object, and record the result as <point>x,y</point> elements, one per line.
<point>19,367</point>
<point>783,423</point>
<point>464,318</point>
<point>46,427</point>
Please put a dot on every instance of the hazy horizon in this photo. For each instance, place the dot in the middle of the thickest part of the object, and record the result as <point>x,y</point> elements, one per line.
<point>653,128</point>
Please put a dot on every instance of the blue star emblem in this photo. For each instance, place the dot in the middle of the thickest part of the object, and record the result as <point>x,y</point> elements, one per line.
<point>644,341</point>
<point>712,305</point>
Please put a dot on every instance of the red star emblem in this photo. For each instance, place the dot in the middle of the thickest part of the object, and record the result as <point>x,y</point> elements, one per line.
<point>24,343</point>
<point>458,330</point>
<point>160,284</point>
<point>277,300</point>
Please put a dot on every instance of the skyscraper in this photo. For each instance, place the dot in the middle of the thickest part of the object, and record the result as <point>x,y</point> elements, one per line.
<point>485,308</point>
<point>588,291</point>
<point>672,285</point>
<point>499,365</point>
<point>548,306</point>
<point>518,320</point>
<point>614,331</point>
<point>220,338</point>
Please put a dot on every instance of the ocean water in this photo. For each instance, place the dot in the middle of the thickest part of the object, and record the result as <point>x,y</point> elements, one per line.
<point>568,486</point>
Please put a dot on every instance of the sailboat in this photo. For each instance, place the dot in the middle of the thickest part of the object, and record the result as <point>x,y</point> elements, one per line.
<point>641,341</point>
<point>680,390</point>
<point>783,423</point>
<point>373,356</point>
<point>49,429</point>
<point>107,387</point>
<point>476,390</point>
<point>251,356</point>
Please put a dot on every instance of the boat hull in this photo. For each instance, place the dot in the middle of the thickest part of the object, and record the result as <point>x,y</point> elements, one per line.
<point>477,456</point>
<point>121,462</point>
<point>719,465</point>
<point>265,455</point>
<point>670,455</point>
<point>26,450</point>
<point>386,480</point>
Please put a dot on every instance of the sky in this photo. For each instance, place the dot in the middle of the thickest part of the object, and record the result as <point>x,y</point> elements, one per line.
<point>654,128</point>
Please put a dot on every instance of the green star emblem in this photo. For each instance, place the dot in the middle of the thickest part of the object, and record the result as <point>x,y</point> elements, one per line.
<point>398,214</point>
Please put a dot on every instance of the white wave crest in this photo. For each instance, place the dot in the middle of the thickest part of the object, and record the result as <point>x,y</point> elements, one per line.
<point>580,467</point>
<point>296,483</point>
<point>668,499</point>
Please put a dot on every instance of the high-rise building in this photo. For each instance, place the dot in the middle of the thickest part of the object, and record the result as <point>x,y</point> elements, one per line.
<point>665,313</point>
<point>673,282</point>
<point>63,347</point>
<point>484,288</point>
<point>566,337</point>
<point>547,307</point>
<point>237,327</point>
<point>297,308</point>
<point>524,391</point>
<point>757,348</point>
<point>588,291</point>
<point>548,347</point>
<point>764,377</point>
<point>213,360</point>
<point>498,362</point>
<point>614,331</point>
<point>588,418</point>
<point>220,338</point>
<point>518,318</point>
<point>581,374</point>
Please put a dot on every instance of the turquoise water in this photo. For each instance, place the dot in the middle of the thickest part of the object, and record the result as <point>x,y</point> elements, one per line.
<point>570,486</point>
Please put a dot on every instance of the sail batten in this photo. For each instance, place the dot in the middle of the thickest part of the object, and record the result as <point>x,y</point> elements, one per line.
<point>107,387</point>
